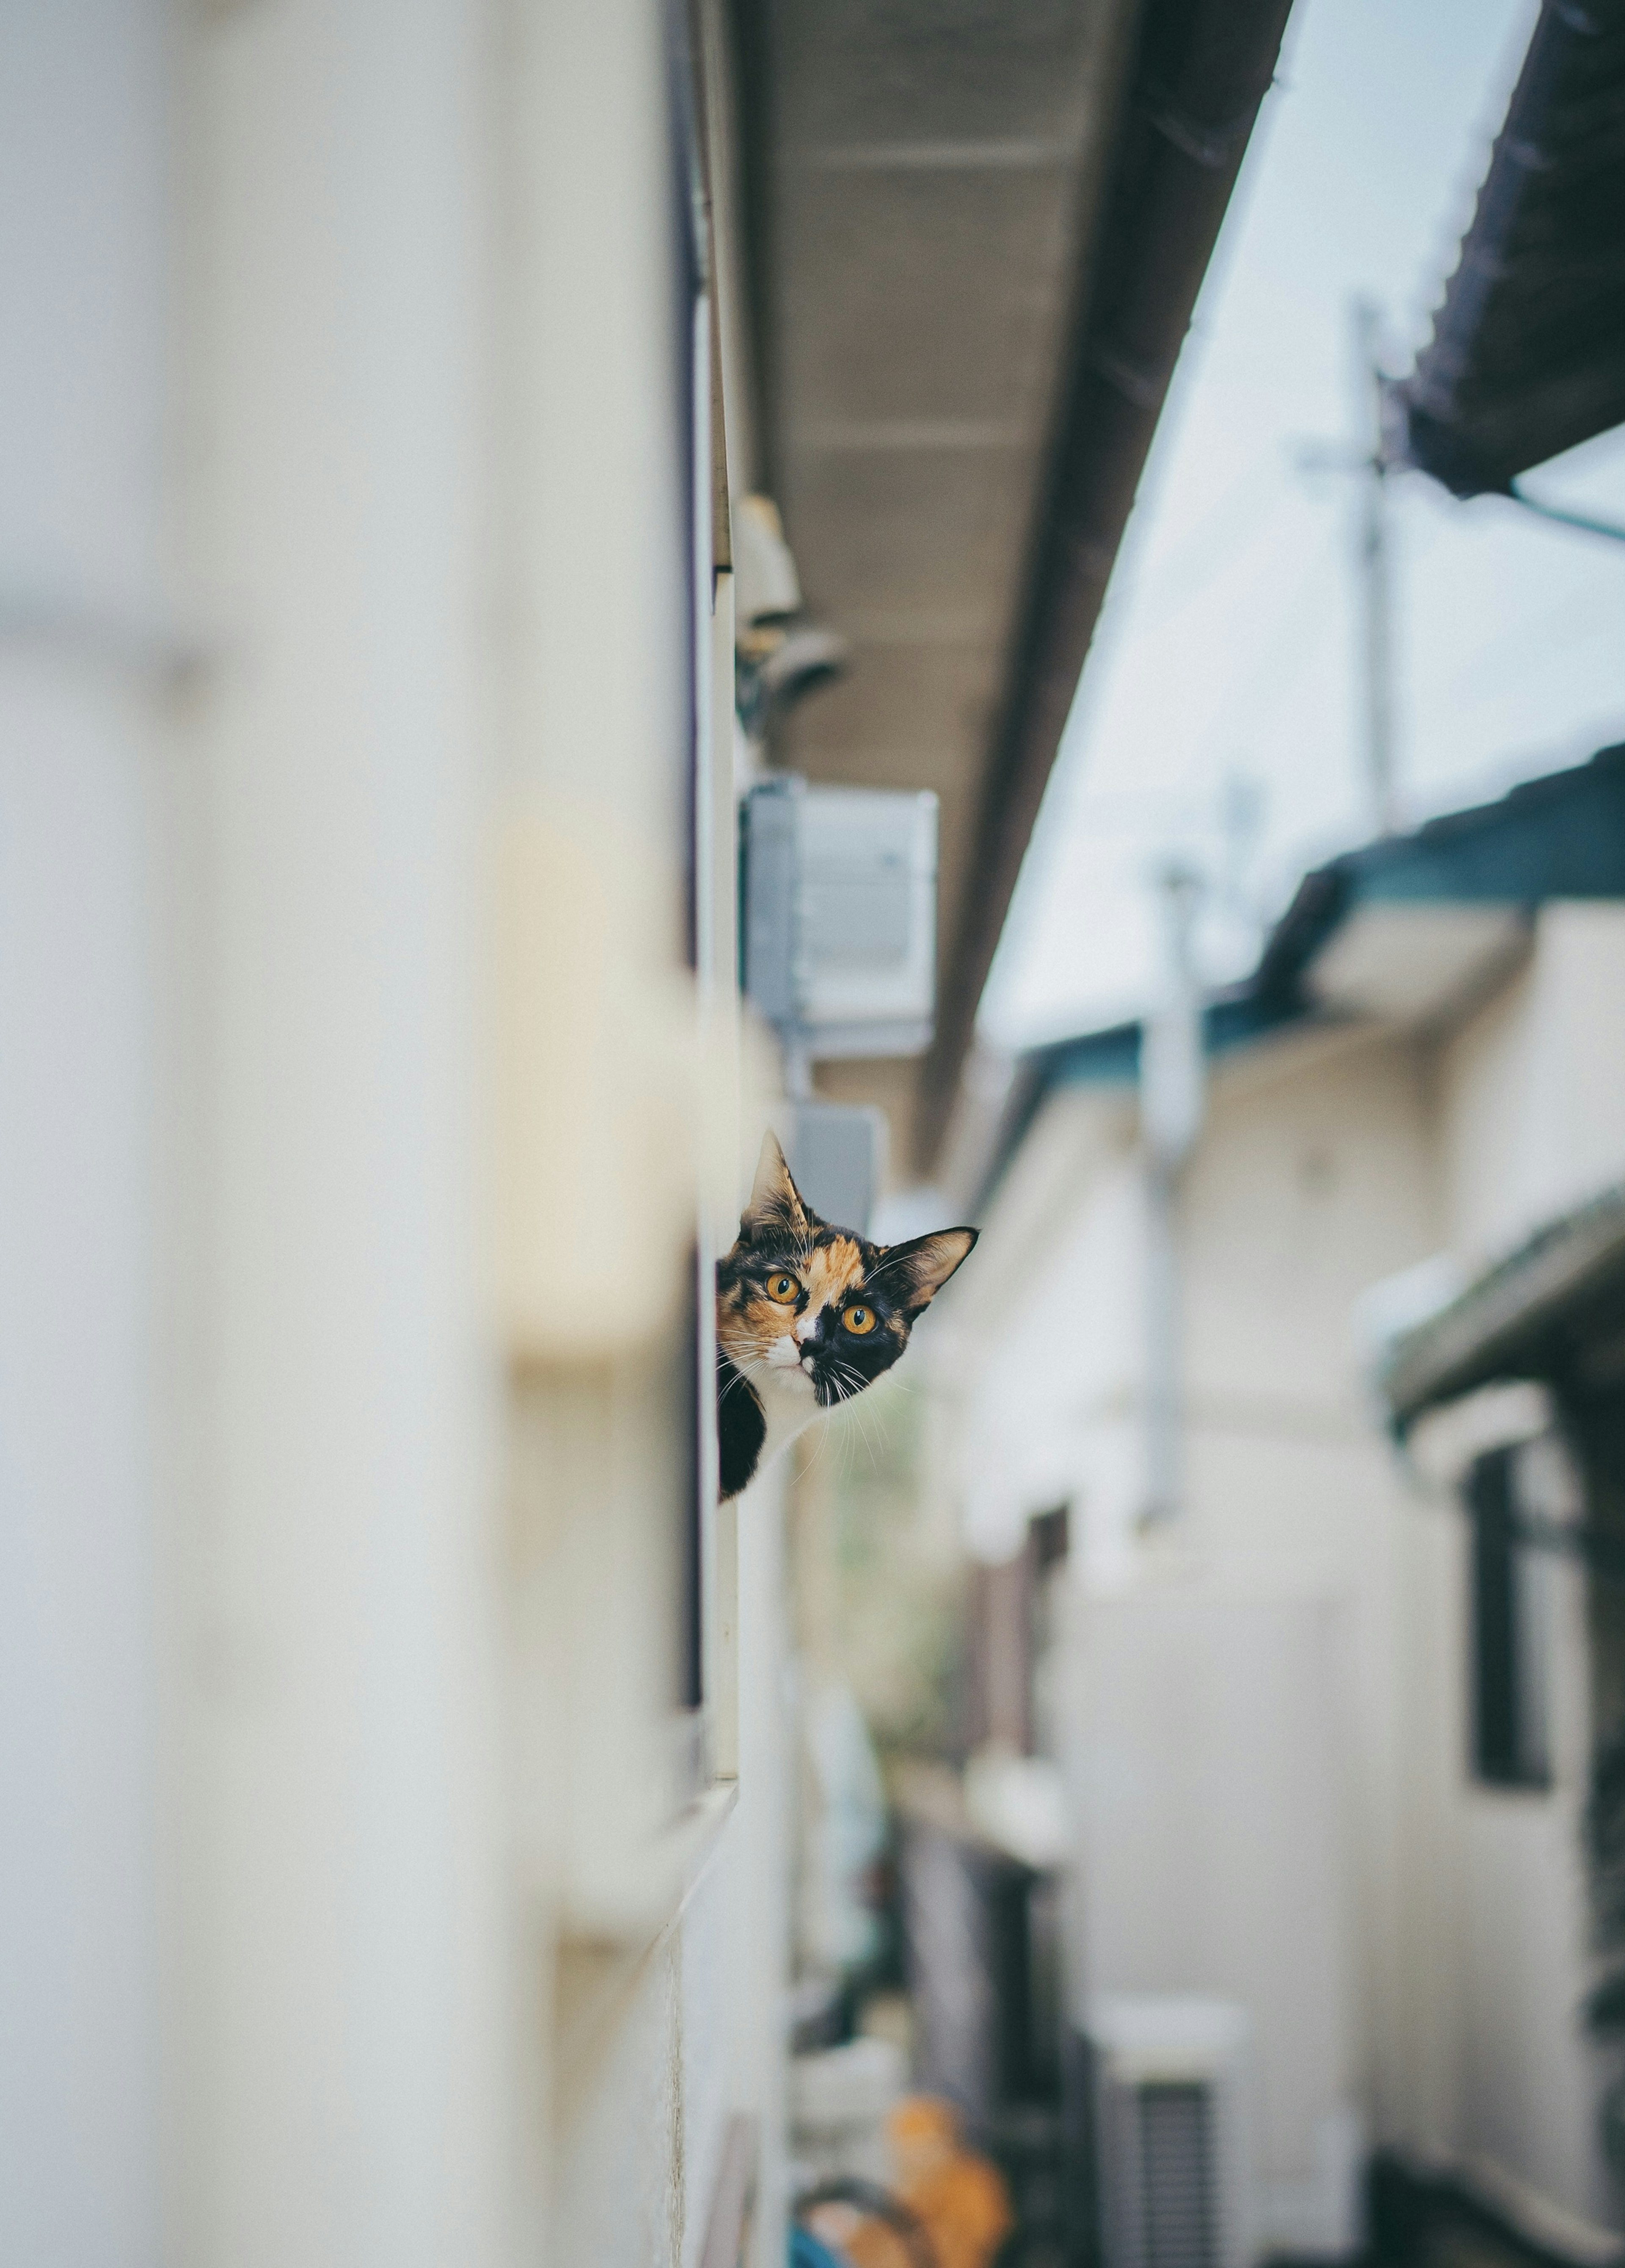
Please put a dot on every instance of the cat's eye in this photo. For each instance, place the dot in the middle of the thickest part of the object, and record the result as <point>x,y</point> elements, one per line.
<point>859,1320</point>
<point>785,1289</point>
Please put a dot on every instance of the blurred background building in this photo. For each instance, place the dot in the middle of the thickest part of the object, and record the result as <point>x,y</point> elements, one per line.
<point>547,557</point>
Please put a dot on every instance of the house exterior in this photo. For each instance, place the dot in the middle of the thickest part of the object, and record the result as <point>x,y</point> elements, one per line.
<point>1296,1782</point>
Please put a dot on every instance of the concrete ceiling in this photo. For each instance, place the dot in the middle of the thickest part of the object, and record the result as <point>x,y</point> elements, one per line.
<point>935,170</point>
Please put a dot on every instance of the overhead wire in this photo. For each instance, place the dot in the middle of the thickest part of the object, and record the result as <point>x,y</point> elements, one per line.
<point>1172,585</point>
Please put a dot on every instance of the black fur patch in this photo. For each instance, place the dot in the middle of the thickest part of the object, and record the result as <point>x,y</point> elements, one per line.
<point>741,1427</point>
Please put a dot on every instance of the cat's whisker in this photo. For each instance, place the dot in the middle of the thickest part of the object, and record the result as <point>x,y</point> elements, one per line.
<point>861,1420</point>
<point>820,1443</point>
<point>865,1422</point>
<point>873,1440</point>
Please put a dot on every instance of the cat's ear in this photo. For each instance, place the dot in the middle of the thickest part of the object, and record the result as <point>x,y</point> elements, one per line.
<point>919,1268</point>
<point>775,1201</point>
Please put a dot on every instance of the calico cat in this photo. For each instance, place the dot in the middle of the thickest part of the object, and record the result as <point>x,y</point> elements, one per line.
<point>807,1315</point>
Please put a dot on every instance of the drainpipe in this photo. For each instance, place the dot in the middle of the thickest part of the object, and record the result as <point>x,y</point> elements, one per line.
<point>1172,1078</point>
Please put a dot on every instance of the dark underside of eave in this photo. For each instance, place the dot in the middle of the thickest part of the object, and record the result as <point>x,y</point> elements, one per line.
<point>1559,836</point>
<point>1527,356</point>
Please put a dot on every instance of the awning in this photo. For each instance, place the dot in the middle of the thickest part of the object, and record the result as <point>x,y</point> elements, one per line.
<point>1552,1310</point>
<point>1527,356</point>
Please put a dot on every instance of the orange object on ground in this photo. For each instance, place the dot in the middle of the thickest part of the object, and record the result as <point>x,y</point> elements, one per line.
<point>958,2197</point>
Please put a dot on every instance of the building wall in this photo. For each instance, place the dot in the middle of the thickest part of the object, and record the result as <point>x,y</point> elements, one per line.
<point>1326,1165</point>
<point>83,673</point>
<point>1531,1121</point>
<point>1051,1350</point>
<point>1531,1091</point>
<point>339,2050</point>
<point>362,1122</point>
<point>1313,1174</point>
<point>1200,1724</point>
<point>1313,1178</point>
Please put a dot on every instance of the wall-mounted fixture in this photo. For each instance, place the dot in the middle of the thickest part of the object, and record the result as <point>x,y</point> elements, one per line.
<point>777,660</point>
<point>1172,2078</point>
<point>838,897</point>
<point>766,588</point>
<point>804,658</point>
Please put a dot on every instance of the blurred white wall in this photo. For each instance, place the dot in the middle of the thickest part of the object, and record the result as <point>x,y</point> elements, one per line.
<point>369,1899</point>
<point>1329,1162</point>
<point>1206,1781</point>
<point>83,347</point>
<point>1531,1091</point>
<point>1530,1119</point>
<point>340,1954</point>
<point>1264,1860</point>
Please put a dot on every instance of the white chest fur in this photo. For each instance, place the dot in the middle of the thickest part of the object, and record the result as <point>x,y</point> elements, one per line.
<point>789,1402</point>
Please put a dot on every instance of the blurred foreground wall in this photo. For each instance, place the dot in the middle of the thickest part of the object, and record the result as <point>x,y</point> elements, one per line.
<point>390,1726</point>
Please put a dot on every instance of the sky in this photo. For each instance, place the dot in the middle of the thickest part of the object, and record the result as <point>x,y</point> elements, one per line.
<point>1218,719</point>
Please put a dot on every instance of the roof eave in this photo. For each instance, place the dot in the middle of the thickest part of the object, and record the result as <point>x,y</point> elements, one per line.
<point>1457,420</point>
<point>1202,73</point>
<point>1510,1324</point>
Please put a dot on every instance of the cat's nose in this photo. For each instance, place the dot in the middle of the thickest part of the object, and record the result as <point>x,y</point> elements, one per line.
<point>805,1325</point>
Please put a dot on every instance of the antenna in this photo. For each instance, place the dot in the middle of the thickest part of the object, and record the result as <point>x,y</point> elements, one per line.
<point>1375,581</point>
<point>1370,456</point>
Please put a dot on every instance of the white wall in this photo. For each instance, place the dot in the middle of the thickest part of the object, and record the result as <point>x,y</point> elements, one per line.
<point>342,1975</point>
<point>1312,1177</point>
<point>1531,1121</point>
<point>342,546</point>
<point>1236,1833</point>
<point>1531,1090</point>
<point>1326,1164</point>
<point>82,282</point>
<point>1053,1370</point>
<point>736,1931</point>
<point>465,1995</point>
<point>1201,1727</point>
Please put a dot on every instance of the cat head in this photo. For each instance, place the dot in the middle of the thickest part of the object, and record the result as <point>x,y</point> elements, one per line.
<point>821,1308</point>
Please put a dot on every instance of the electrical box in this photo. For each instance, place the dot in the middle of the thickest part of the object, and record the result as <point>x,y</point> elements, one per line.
<point>1173,2146</point>
<point>838,930</point>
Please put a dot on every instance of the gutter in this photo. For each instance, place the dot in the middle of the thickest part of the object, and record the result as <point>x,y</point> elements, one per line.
<point>1202,69</point>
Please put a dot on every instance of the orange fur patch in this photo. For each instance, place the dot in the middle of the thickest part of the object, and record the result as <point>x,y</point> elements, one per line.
<point>749,1322</point>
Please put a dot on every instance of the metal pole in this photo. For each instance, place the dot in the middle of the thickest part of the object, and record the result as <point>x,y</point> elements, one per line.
<point>1376,591</point>
<point>1172,1093</point>
<point>1163,1460</point>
